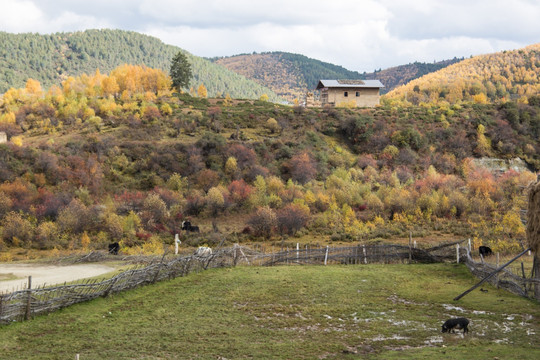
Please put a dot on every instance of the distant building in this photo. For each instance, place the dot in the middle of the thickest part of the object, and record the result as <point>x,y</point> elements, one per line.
<point>362,93</point>
<point>3,137</point>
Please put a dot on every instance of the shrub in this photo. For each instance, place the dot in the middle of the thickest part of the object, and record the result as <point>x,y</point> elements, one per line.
<point>292,218</point>
<point>154,210</point>
<point>74,218</point>
<point>302,168</point>
<point>239,191</point>
<point>46,234</point>
<point>263,222</point>
<point>272,126</point>
<point>215,201</point>
<point>17,229</point>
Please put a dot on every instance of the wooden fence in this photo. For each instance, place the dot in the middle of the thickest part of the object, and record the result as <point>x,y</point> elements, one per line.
<point>520,284</point>
<point>24,304</point>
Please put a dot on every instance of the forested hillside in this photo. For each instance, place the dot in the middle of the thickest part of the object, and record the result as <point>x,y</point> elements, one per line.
<point>400,75</point>
<point>292,75</point>
<point>117,157</point>
<point>289,75</point>
<point>50,59</point>
<point>487,78</point>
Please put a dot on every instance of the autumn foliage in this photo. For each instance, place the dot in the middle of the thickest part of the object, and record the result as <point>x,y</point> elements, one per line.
<point>117,157</point>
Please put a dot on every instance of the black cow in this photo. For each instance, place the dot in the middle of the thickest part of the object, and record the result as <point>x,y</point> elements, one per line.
<point>485,251</point>
<point>458,323</point>
<point>114,248</point>
<point>186,225</point>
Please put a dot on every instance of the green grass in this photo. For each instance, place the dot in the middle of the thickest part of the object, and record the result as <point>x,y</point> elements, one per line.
<point>308,312</point>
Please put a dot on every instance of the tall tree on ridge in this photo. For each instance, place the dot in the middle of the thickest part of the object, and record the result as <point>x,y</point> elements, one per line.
<point>180,71</point>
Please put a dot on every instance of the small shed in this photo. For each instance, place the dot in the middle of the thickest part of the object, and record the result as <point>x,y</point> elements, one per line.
<point>362,93</point>
<point>3,137</point>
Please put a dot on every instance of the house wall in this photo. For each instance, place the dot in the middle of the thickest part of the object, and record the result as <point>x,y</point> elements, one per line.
<point>369,97</point>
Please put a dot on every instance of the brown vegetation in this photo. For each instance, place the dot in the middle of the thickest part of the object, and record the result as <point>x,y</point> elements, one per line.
<point>90,163</point>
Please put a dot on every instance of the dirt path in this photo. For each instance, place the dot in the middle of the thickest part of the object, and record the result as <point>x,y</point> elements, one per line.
<point>46,274</point>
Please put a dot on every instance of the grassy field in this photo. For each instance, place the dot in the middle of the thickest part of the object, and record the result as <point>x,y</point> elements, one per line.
<point>308,312</point>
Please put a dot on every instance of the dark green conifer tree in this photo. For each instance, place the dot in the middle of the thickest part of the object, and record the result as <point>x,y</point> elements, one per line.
<point>180,71</point>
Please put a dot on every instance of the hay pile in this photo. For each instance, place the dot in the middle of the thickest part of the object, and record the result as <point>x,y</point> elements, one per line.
<point>533,219</point>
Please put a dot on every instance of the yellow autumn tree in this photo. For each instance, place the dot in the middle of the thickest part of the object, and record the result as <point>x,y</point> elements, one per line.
<point>202,92</point>
<point>109,86</point>
<point>17,140</point>
<point>85,240</point>
<point>33,87</point>
<point>483,146</point>
<point>231,166</point>
<point>227,100</point>
<point>7,118</point>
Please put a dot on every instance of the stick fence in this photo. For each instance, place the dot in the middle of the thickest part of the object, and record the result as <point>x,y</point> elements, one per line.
<point>27,303</point>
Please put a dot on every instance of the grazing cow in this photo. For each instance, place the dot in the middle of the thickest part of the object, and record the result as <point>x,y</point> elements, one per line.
<point>203,251</point>
<point>455,324</point>
<point>114,248</point>
<point>485,251</point>
<point>186,225</point>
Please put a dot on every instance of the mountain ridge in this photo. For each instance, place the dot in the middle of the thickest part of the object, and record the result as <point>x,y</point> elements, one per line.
<point>499,76</point>
<point>51,58</point>
<point>292,75</point>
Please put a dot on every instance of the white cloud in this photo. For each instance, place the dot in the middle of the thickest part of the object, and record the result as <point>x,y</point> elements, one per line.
<point>240,13</point>
<point>492,19</point>
<point>26,16</point>
<point>350,45</point>
<point>15,16</point>
<point>361,35</point>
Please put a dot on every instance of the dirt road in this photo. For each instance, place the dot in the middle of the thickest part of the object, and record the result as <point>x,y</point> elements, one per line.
<point>46,274</point>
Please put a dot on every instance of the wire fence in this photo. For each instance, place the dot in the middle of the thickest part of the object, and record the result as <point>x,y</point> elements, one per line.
<point>24,304</point>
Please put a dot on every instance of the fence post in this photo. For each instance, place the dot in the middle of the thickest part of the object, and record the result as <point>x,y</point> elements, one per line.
<point>410,247</point>
<point>365,255</point>
<point>457,252</point>
<point>297,252</point>
<point>326,255</point>
<point>524,278</point>
<point>497,276</point>
<point>176,243</point>
<point>29,300</point>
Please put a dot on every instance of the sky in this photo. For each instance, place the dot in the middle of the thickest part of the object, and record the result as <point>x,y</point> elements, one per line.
<point>360,35</point>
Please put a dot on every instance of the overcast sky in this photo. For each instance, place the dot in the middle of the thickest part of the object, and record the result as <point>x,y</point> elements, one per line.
<point>361,35</point>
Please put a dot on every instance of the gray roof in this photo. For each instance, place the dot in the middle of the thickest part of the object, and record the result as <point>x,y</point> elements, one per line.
<point>349,84</point>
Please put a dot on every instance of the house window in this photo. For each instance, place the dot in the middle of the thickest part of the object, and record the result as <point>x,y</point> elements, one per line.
<point>357,93</point>
<point>346,93</point>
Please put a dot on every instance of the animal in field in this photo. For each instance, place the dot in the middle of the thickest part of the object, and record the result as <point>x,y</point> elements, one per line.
<point>485,251</point>
<point>186,225</point>
<point>456,324</point>
<point>114,248</point>
<point>203,251</point>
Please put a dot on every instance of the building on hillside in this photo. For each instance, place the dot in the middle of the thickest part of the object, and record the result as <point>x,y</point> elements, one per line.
<point>359,93</point>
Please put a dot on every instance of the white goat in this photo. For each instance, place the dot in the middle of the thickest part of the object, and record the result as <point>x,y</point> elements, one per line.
<point>203,251</point>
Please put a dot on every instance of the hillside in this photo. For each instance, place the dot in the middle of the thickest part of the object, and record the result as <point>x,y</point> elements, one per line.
<point>400,75</point>
<point>289,75</point>
<point>50,59</point>
<point>487,78</point>
<point>83,168</point>
<point>292,75</point>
